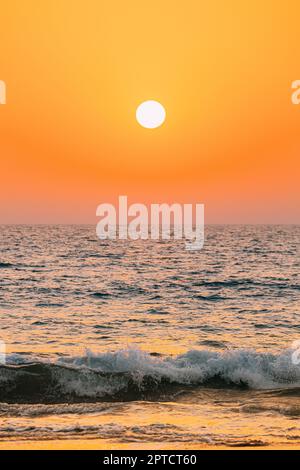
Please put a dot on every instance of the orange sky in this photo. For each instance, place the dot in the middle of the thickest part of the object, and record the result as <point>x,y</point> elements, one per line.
<point>76,71</point>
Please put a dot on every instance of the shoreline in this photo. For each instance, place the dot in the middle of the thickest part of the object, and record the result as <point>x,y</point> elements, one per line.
<point>102,445</point>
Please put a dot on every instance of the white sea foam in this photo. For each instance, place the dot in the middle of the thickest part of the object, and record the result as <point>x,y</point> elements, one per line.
<point>129,373</point>
<point>257,370</point>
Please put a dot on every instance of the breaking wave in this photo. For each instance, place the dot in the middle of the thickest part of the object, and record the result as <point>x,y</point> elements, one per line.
<point>133,374</point>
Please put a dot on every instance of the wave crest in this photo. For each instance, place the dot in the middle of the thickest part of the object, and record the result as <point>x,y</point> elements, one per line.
<point>134,374</point>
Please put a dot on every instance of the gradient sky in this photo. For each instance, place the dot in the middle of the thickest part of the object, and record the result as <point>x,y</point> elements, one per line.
<point>76,71</point>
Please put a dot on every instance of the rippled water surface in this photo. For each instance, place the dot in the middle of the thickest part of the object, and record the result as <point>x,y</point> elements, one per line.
<point>140,343</point>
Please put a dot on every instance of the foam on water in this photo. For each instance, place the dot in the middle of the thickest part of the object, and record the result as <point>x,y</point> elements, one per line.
<point>240,367</point>
<point>130,374</point>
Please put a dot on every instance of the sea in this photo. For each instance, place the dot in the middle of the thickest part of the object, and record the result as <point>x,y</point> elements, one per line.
<point>144,344</point>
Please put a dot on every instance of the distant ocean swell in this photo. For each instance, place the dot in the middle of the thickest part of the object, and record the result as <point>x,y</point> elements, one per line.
<point>133,374</point>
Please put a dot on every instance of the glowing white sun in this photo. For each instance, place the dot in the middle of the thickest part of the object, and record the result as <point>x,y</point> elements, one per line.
<point>150,114</point>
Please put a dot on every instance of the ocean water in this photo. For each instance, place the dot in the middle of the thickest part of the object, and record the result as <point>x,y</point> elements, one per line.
<point>140,344</point>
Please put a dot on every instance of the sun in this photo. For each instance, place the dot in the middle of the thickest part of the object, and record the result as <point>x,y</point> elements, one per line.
<point>150,114</point>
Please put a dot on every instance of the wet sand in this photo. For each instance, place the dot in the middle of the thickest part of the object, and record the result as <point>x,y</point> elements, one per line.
<point>97,444</point>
